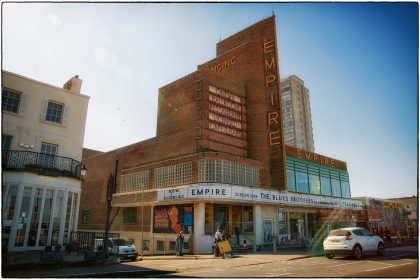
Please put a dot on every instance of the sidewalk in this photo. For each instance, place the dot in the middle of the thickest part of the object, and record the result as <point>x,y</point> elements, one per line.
<point>27,264</point>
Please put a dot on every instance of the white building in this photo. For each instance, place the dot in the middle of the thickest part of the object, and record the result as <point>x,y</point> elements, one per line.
<point>297,119</point>
<point>43,129</point>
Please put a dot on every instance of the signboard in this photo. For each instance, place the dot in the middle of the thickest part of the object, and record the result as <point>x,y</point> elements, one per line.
<point>224,247</point>
<point>229,192</point>
<point>172,218</point>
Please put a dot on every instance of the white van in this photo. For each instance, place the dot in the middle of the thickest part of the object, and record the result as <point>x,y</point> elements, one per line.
<point>119,246</point>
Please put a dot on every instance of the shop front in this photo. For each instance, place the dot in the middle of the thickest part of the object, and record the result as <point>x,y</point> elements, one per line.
<point>254,215</point>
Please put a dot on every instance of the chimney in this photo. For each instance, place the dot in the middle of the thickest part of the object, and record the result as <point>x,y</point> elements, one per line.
<point>74,84</point>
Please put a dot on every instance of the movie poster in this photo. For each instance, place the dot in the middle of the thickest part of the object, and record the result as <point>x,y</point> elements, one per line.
<point>173,218</point>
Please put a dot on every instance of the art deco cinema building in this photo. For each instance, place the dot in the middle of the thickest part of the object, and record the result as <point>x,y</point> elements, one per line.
<point>218,161</point>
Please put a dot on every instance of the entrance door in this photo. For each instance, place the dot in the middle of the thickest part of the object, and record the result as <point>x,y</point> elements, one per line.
<point>220,218</point>
<point>268,231</point>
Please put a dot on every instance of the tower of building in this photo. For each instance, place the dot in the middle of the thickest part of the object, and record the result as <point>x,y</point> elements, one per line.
<point>297,120</point>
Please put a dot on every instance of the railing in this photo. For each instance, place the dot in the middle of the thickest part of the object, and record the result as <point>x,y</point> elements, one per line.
<point>41,163</point>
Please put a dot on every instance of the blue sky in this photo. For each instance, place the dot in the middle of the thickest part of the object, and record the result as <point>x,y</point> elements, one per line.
<point>359,61</point>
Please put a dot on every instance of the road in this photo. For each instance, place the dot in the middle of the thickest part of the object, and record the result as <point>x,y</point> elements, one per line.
<point>396,263</point>
<point>399,262</point>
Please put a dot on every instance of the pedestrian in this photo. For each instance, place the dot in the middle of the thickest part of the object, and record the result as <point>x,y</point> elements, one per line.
<point>237,233</point>
<point>388,235</point>
<point>245,246</point>
<point>180,242</point>
<point>398,237</point>
<point>217,237</point>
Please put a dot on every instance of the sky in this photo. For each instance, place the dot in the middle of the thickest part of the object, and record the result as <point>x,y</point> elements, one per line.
<point>358,60</point>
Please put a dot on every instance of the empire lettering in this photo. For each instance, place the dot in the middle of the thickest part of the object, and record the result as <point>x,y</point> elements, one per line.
<point>308,156</point>
<point>208,192</point>
<point>270,67</point>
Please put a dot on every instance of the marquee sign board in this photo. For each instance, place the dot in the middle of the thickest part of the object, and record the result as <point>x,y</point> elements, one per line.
<point>249,194</point>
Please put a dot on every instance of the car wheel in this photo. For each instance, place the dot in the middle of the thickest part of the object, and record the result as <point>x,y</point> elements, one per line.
<point>381,249</point>
<point>329,255</point>
<point>357,252</point>
<point>133,259</point>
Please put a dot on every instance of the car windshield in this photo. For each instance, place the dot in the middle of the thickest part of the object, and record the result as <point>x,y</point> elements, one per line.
<point>121,242</point>
<point>339,232</point>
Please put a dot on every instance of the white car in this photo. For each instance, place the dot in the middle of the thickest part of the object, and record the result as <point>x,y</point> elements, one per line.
<point>120,247</point>
<point>352,241</point>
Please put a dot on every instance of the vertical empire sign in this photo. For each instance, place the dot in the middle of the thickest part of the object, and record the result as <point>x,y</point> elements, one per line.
<point>271,82</point>
<point>274,117</point>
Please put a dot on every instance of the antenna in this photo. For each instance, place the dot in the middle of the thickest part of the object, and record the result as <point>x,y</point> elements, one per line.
<point>272,9</point>
<point>220,35</point>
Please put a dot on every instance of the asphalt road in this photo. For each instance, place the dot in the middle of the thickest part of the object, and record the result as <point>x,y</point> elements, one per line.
<point>396,263</point>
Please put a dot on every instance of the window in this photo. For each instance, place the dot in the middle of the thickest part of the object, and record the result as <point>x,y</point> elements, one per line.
<point>130,215</point>
<point>302,182</point>
<point>10,100</point>
<point>172,175</point>
<point>172,245</point>
<point>291,185</point>
<point>160,245</point>
<point>6,142</point>
<point>135,181</point>
<point>146,245</point>
<point>223,171</point>
<point>335,187</point>
<point>326,186</point>
<point>314,184</point>
<point>85,216</point>
<point>48,153</point>
<point>345,189</point>
<point>54,112</point>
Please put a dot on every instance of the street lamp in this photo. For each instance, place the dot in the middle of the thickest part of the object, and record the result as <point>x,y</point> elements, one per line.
<point>83,171</point>
<point>142,220</point>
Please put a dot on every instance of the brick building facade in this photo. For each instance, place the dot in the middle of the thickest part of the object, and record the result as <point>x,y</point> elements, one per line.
<point>218,160</point>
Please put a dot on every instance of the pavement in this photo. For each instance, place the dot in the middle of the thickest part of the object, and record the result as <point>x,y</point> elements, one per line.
<point>27,264</point>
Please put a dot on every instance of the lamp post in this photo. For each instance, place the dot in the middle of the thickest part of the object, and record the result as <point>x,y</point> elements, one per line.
<point>110,191</point>
<point>83,171</point>
<point>142,220</point>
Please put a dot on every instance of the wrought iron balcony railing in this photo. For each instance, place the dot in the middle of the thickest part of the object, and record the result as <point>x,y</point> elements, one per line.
<point>41,163</point>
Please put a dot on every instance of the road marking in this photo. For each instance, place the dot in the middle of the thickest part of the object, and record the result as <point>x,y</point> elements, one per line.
<point>379,262</point>
<point>200,271</point>
<point>278,274</point>
<point>389,266</point>
<point>337,265</point>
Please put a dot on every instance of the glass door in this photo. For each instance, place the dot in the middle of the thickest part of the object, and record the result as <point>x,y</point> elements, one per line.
<point>220,218</point>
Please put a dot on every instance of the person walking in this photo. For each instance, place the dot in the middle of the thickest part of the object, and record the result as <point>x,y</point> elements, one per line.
<point>217,237</point>
<point>237,233</point>
<point>388,236</point>
<point>180,242</point>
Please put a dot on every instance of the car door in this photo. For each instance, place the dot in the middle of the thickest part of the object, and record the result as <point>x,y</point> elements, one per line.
<point>370,240</point>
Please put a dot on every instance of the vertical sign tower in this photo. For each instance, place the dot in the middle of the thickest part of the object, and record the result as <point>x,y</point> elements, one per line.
<point>254,51</point>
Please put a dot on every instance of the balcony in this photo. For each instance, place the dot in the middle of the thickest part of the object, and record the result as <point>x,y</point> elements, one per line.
<point>41,163</point>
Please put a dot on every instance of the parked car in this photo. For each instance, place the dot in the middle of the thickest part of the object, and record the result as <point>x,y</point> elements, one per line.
<point>352,241</point>
<point>119,246</point>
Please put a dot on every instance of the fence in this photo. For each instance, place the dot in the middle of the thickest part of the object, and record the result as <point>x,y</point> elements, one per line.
<point>81,241</point>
